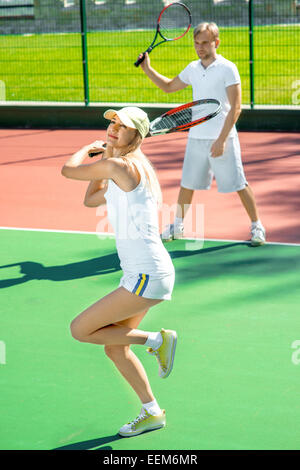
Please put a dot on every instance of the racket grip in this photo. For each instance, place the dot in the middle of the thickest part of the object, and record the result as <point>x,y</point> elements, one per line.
<point>140,60</point>
<point>93,154</point>
<point>96,152</point>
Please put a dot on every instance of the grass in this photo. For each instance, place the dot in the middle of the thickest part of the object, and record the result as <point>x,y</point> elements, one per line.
<point>48,67</point>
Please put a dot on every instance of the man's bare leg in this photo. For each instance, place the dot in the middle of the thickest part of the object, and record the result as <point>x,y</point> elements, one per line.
<point>258,233</point>
<point>175,230</point>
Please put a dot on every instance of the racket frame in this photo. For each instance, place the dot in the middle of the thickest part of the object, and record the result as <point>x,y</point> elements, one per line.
<point>188,125</point>
<point>158,32</point>
<point>182,127</point>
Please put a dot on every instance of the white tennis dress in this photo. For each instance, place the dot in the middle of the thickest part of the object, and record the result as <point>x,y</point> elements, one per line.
<point>147,267</point>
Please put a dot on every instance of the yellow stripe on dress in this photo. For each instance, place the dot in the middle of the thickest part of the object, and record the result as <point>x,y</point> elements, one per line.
<point>141,284</point>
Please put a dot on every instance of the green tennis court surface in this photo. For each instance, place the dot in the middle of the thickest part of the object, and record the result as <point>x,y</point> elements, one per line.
<point>235,382</point>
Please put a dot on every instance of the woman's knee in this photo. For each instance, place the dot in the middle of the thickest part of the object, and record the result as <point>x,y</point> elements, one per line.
<point>116,352</point>
<point>76,330</point>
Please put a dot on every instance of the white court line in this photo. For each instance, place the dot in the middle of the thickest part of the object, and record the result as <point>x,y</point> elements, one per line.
<point>111,234</point>
<point>57,231</point>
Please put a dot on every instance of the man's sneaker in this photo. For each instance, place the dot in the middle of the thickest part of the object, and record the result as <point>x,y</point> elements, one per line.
<point>258,235</point>
<point>172,232</point>
<point>144,422</point>
<point>165,353</point>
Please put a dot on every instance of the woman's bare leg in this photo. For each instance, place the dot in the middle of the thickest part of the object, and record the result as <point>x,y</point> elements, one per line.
<point>100,323</point>
<point>113,321</point>
<point>130,366</point>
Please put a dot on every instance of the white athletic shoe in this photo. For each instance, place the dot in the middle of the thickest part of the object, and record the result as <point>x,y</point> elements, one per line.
<point>172,232</point>
<point>165,353</point>
<point>144,422</point>
<point>258,235</point>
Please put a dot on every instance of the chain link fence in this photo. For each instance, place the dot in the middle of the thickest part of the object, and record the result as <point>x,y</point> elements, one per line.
<point>74,51</point>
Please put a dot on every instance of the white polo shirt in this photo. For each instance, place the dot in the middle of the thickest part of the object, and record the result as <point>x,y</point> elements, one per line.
<point>211,82</point>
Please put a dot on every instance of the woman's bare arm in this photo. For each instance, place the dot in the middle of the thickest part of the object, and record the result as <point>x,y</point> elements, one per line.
<point>94,195</point>
<point>96,189</point>
<point>98,173</point>
<point>102,169</point>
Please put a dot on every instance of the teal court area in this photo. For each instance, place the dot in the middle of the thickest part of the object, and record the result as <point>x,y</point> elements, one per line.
<point>236,377</point>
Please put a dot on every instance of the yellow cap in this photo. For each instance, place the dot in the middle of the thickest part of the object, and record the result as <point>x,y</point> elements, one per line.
<point>131,116</point>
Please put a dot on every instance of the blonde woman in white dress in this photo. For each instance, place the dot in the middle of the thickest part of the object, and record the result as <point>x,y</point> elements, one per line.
<point>125,180</point>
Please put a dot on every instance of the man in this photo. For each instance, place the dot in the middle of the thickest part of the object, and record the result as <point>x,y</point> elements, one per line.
<point>213,148</point>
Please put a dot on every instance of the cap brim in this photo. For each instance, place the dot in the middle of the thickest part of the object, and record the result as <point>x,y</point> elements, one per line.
<point>110,113</point>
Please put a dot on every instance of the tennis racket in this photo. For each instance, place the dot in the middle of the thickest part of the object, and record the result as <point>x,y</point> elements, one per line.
<point>173,23</point>
<point>186,116</point>
<point>92,153</point>
<point>181,118</point>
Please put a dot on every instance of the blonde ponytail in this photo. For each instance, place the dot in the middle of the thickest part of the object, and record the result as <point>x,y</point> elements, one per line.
<point>149,171</point>
<point>134,154</point>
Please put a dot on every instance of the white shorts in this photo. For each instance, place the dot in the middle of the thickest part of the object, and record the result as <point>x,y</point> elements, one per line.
<point>145,285</point>
<point>199,167</point>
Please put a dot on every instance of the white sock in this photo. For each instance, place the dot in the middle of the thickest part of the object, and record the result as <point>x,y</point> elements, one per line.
<point>154,340</point>
<point>178,221</point>
<point>257,223</point>
<point>152,408</point>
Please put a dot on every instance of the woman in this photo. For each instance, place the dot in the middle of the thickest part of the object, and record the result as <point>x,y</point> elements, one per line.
<point>126,181</point>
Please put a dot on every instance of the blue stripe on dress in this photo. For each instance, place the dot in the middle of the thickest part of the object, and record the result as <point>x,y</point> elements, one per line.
<point>137,284</point>
<point>145,285</point>
<point>141,284</point>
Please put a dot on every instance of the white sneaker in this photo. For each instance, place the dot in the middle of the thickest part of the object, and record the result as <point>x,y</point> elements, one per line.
<point>258,235</point>
<point>143,423</point>
<point>172,232</point>
<point>165,353</point>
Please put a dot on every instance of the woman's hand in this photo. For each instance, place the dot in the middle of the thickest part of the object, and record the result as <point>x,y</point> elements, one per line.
<point>78,157</point>
<point>97,147</point>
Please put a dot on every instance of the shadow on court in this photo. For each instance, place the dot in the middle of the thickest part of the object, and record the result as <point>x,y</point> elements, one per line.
<point>26,160</point>
<point>92,444</point>
<point>95,444</point>
<point>236,259</point>
<point>183,253</point>
<point>87,268</point>
<point>36,271</point>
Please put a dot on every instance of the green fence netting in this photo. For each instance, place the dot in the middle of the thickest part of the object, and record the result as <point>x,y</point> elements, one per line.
<point>76,51</point>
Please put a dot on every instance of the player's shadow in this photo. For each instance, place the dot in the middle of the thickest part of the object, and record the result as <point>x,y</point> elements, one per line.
<point>92,444</point>
<point>87,268</point>
<point>93,267</point>
<point>201,251</point>
<point>206,262</point>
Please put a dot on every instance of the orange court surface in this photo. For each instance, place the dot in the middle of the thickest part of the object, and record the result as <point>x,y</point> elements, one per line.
<point>35,195</point>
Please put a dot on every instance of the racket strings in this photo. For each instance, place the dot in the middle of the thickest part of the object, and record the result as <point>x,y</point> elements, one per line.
<point>203,110</point>
<point>183,117</point>
<point>177,119</point>
<point>188,115</point>
<point>174,22</point>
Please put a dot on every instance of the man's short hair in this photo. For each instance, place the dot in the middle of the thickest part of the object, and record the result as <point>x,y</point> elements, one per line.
<point>211,27</point>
